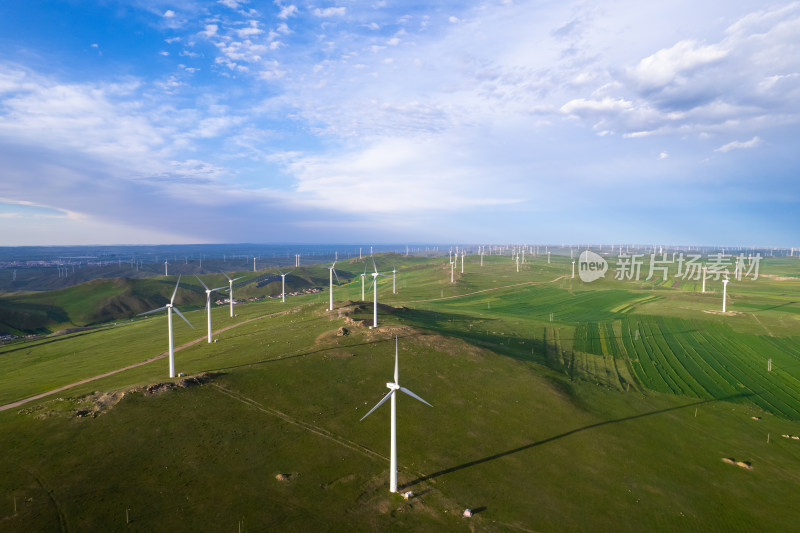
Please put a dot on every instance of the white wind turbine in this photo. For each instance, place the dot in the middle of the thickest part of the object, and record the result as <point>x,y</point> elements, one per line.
<point>169,307</point>
<point>375,275</point>
<point>332,273</point>
<point>208,304</point>
<point>394,275</point>
<point>393,388</point>
<point>283,285</point>
<point>230,290</point>
<point>165,268</point>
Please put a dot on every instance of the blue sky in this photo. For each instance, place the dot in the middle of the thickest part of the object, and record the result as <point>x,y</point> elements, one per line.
<point>154,121</point>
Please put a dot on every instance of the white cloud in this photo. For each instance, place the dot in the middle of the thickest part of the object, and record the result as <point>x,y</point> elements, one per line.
<point>251,30</point>
<point>666,65</point>
<point>330,12</point>
<point>287,11</point>
<point>168,14</point>
<point>739,145</point>
<point>233,4</point>
<point>394,176</point>
<point>210,30</point>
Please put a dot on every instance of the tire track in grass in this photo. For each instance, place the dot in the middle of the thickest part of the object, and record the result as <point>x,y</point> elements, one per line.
<point>782,395</point>
<point>687,376</point>
<point>484,290</point>
<point>654,338</point>
<point>665,382</point>
<point>297,422</point>
<point>764,399</point>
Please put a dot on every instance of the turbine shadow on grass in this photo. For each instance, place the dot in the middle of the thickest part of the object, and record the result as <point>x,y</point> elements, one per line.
<point>512,451</point>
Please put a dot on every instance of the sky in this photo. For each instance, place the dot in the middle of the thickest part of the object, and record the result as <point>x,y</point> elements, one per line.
<point>206,121</point>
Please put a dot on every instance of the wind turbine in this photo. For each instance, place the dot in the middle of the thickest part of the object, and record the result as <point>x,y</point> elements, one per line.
<point>332,273</point>
<point>394,274</point>
<point>165,268</point>
<point>169,307</point>
<point>208,304</point>
<point>393,388</point>
<point>283,285</point>
<point>230,290</point>
<point>375,275</point>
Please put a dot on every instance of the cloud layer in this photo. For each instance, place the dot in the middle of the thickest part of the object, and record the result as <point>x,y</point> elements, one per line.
<point>504,121</point>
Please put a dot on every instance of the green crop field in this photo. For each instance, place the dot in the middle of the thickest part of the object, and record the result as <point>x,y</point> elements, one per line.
<point>558,405</point>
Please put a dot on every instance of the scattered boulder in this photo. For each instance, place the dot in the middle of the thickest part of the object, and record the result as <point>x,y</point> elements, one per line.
<point>283,477</point>
<point>342,331</point>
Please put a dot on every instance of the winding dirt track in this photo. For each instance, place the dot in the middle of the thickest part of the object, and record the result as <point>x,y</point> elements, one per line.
<point>18,403</point>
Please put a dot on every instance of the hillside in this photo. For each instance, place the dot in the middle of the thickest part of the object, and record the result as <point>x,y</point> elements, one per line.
<point>550,412</point>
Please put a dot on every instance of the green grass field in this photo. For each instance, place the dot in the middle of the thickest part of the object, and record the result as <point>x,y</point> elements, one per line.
<point>558,406</point>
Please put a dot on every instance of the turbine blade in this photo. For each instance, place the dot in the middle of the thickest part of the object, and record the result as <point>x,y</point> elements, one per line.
<point>374,279</point>
<point>172,300</point>
<point>377,405</point>
<point>336,276</point>
<point>219,289</point>
<point>152,311</point>
<point>374,267</point>
<point>226,276</point>
<point>183,317</point>
<point>414,395</point>
<point>240,277</point>
<point>201,282</point>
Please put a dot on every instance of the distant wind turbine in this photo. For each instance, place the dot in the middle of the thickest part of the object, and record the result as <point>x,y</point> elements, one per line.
<point>166,273</point>
<point>230,290</point>
<point>394,274</point>
<point>208,304</point>
<point>169,307</point>
<point>393,388</point>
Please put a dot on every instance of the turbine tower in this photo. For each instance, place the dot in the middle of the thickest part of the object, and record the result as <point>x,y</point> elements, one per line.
<point>332,273</point>
<point>393,388</point>
<point>169,307</point>
<point>166,273</point>
<point>362,282</point>
<point>208,304</point>
<point>394,274</point>
<point>704,279</point>
<point>374,285</point>
<point>724,292</point>
<point>283,285</point>
<point>230,290</point>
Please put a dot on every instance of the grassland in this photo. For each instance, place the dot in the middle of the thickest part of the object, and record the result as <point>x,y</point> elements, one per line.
<point>558,405</point>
